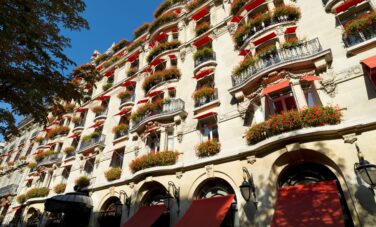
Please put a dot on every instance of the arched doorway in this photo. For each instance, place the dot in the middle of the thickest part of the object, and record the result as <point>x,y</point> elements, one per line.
<point>216,187</point>
<point>33,217</point>
<point>156,195</point>
<point>312,174</point>
<point>110,213</point>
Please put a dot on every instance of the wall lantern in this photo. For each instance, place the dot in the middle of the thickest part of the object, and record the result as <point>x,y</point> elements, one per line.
<point>365,170</point>
<point>175,195</point>
<point>247,188</point>
<point>127,199</point>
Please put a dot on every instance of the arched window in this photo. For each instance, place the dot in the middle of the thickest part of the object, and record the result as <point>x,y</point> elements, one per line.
<point>110,214</point>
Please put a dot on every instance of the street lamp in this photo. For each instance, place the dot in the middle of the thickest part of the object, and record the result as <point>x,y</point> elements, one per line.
<point>127,200</point>
<point>175,195</point>
<point>247,188</point>
<point>365,170</point>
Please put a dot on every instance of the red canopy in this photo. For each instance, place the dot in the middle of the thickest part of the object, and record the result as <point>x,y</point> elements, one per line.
<point>310,78</point>
<point>157,61</point>
<point>347,4</point>
<point>291,30</point>
<point>133,57</point>
<point>148,70</point>
<point>143,101</point>
<point>123,111</point>
<point>206,212</point>
<point>276,87</point>
<point>202,41</point>
<point>75,135</point>
<point>252,5</point>
<point>145,216</point>
<point>237,19</point>
<point>109,72</point>
<point>171,88</point>
<point>97,124</point>
<point>103,97</point>
<point>264,39</point>
<point>370,62</point>
<point>203,73</point>
<point>200,14</point>
<point>154,93</point>
<point>161,36</point>
<point>128,83</point>
<point>172,56</point>
<point>80,110</point>
<point>202,116</point>
<point>315,204</point>
<point>244,52</point>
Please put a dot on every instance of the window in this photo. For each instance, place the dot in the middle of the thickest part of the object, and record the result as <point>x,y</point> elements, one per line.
<point>29,150</point>
<point>65,174</point>
<point>117,158</point>
<point>41,179</point>
<point>310,94</point>
<point>58,147</point>
<point>89,167</point>
<point>209,131</point>
<point>282,101</point>
<point>170,140</point>
<point>153,142</point>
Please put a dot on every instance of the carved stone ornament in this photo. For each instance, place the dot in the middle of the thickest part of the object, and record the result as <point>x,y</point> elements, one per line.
<point>350,138</point>
<point>232,27</point>
<point>131,185</point>
<point>328,84</point>
<point>179,175</point>
<point>251,159</point>
<point>182,54</point>
<point>111,191</point>
<point>209,170</point>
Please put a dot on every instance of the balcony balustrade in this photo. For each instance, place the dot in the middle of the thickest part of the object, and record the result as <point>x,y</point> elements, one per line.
<point>174,106</point>
<point>51,159</point>
<point>281,56</point>
<point>363,36</point>
<point>206,99</point>
<point>104,113</point>
<point>79,124</point>
<point>203,59</point>
<point>120,134</point>
<point>128,99</point>
<point>93,142</point>
<point>8,190</point>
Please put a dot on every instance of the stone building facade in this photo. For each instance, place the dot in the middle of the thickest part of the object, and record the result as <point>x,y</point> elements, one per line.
<point>215,95</point>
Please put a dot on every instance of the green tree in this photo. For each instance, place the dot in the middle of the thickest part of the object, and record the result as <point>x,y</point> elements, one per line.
<point>33,64</point>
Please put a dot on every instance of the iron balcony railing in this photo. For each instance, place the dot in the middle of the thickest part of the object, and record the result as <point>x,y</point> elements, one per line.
<point>104,113</point>
<point>203,59</point>
<point>34,134</point>
<point>120,134</point>
<point>363,36</point>
<point>9,190</point>
<point>80,124</point>
<point>57,157</point>
<point>127,99</point>
<point>206,99</point>
<point>281,56</point>
<point>94,141</point>
<point>174,105</point>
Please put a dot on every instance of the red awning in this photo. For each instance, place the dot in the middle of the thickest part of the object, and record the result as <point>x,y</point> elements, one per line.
<point>171,88</point>
<point>310,78</point>
<point>172,56</point>
<point>203,73</point>
<point>347,4</point>
<point>264,39</point>
<point>148,70</point>
<point>160,37</point>
<point>38,152</point>
<point>109,72</point>
<point>46,129</point>
<point>237,19</point>
<point>200,14</point>
<point>157,61</point>
<point>123,111</point>
<point>120,54</point>
<point>206,212</point>
<point>370,62</point>
<point>103,97</point>
<point>15,209</point>
<point>145,216</point>
<point>252,5</point>
<point>174,30</point>
<point>291,30</point>
<point>202,116</point>
<point>75,135</point>
<point>80,110</point>
<point>97,124</point>
<point>244,52</point>
<point>132,58</point>
<point>276,87</point>
<point>143,101</point>
<point>154,93</point>
<point>128,83</point>
<point>315,204</point>
<point>202,41</point>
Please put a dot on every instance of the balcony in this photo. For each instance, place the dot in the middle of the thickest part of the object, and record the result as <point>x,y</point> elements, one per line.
<point>51,159</point>
<point>127,100</point>
<point>303,53</point>
<point>120,134</point>
<point>201,60</point>
<point>91,143</point>
<point>170,109</point>
<point>361,37</point>
<point>101,114</point>
<point>9,190</point>
<point>206,99</point>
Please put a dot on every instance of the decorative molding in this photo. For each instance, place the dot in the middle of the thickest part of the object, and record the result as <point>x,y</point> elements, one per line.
<point>350,138</point>
<point>328,84</point>
<point>179,174</point>
<point>251,159</point>
<point>209,170</point>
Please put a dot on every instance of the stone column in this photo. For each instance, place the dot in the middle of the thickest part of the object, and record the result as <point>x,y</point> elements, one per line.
<point>260,112</point>
<point>162,140</point>
<point>298,93</point>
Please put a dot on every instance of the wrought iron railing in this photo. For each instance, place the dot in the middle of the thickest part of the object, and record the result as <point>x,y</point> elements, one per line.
<point>206,99</point>
<point>120,134</point>
<point>203,59</point>
<point>94,141</point>
<point>281,56</point>
<point>174,105</point>
<point>127,99</point>
<point>50,159</point>
<point>363,36</point>
<point>104,113</point>
<point>9,190</point>
<point>80,124</point>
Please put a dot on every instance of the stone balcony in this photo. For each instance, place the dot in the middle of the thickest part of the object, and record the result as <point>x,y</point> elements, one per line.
<point>91,143</point>
<point>51,159</point>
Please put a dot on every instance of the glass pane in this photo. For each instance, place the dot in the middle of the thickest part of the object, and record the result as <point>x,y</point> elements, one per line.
<point>290,103</point>
<point>278,106</point>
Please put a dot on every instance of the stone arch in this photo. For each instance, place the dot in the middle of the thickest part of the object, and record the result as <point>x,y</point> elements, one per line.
<point>146,190</point>
<point>32,217</point>
<point>110,212</point>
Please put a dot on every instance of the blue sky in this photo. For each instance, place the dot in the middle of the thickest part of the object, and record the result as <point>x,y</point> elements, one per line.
<point>110,21</point>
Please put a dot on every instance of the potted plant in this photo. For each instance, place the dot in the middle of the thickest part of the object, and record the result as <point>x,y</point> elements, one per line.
<point>49,152</point>
<point>125,94</point>
<point>162,158</point>
<point>59,188</point>
<point>194,4</point>
<point>203,92</point>
<point>141,30</point>
<point>21,199</point>
<point>82,182</point>
<point>113,174</point>
<point>98,109</point>
<point>39,139</point>
<point>286,12</point>
<point>64,130</point>
<point>101,58</point>
<point>134,45</point>
<point>76,119</point>
<point>120,45</point>
<point>120,128</point>
<point>160,76</point>
<point>266,52</point>
<point>243,66</point>
<point>202,28</point>
<point>208,148</point>
<point>236,5</point>
<point>37,192</point>
<point>132,71</point>
<point>69,149</point>
<point>32,165</point>
<point>10,163</point>
<point>162,48</point>
<point>291,43</point>
<point>161,20</point>
<point>106,86</point>
<point>203,53</point>
<point>23,158</point>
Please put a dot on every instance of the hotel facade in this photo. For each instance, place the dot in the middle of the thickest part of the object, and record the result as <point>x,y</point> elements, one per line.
<point>218,113</point>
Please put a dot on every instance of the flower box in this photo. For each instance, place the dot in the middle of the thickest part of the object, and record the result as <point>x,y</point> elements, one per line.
<point>37,192</point>
<point>32,165</point>
<point>125,94</point>
<point>98,109</point>
<point>162,48</point>
<point>69,149</point>
<point>208,148</point>
<point>205,91</point>
<point>291,43</point>
<point>39,139</point>
<point>106,86</point>
<point>194,4</point>
<point>120,45</point>
<point>267,51</point>
<point>164,7</point>
<point>243,66</point>
<point>202,28</point>
<point>203,53</point>
<point>90,136</point>
<point>120,128</point>
<point>21,199</point>
<point>113,174</point>
<point>160,76</point>
<point>23,158</point>
<point>101,58</point>
<point>132,71</point>
<point>162,158</point>
<point>10,163</point>
<point>236,5</point>
<point>293,120</point>
<point>163,19</point>
<point>148,109</point>
<point>360,24</point>
<point>76,120</point>
<point>59,188</point>
<point>82,182</point>
<point>141,30</point>
<point>135,45</point>
<point>288,12</point>
<point>39,157</point>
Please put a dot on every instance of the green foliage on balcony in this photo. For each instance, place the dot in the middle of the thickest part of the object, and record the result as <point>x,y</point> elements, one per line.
<point>134,45</point>
<point>113,174</point>
<point>111,61</point>
<point>21,199</point>
<point>165,6</point>
<point>98,109</point>
<point>202,28</point>
<point>141,30</point>
<point>82,181</point>
<point>162,48</point>
<point>101,58</point>
<point>90,136</point>
<point>208,148</point>
<point>162,20</point>
<point>59,130</point>
<point>120,45</point>
<point>202,53</point>
<point>361,23</point>
<point>236,5</point>
<point>125,94</point>
<point>148,108</point>
<point>106,86</point>
<point>37,192</point>
<point>205,91</point>
<point>60,188</point>
<point>160,76</point>
<point>194,4</point>
<point>132,71</point>
<point>293,120</point>
<point>162,158</point>
<point>244,65</point>
<point>69,149</point>
<point>120,128</point>
<point>289,11</point>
